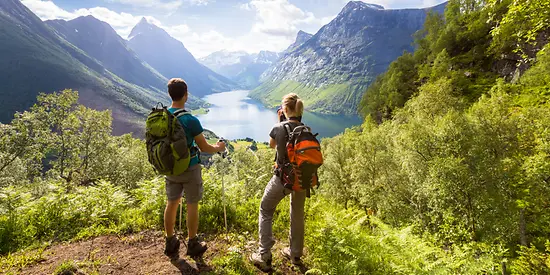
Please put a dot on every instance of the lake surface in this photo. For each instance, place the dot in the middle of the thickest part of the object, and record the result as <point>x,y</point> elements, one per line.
<point>233,115</point>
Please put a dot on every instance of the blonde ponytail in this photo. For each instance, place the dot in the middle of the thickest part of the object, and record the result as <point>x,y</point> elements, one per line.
<point>299,107</point>
<point>293,104</point>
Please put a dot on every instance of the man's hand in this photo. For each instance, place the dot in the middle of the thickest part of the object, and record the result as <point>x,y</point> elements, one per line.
<point>207,148</point>
<point>221,146</point>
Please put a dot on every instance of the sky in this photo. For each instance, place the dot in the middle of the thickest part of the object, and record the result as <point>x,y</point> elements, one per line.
<point>206,26</point>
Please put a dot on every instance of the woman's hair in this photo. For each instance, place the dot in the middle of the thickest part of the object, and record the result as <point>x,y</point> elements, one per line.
<point>293,104</point>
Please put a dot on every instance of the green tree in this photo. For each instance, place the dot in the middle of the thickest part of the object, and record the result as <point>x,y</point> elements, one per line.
<point>335,174</point>
<point>520,26</point>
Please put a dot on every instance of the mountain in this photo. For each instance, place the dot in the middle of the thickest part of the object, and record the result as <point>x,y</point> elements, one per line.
<point>34,59</point>
<point>332,69</point>
<point>100,41</point>
<point>241,67</point>
<point>227,63</point>
<point>249,76</point>
<point>170,57</point>
<point>301,38</point>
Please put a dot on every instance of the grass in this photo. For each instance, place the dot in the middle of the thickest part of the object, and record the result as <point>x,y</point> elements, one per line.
<point>88,267</point>
<point>21,259</point>
<point>67,267</point>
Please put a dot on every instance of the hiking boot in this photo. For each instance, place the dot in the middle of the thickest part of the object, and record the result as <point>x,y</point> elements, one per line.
<point>195,247</point>
<point>172,248</point>
<point>295,260</point>
<point>262,261</point>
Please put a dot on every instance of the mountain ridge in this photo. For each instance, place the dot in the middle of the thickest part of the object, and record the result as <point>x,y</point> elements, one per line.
<point>35,59</point>
<point>301,38</point>
<point>102,42</point>
<point>242,67</point>
<point>169,57</point>
<point>337,64</point>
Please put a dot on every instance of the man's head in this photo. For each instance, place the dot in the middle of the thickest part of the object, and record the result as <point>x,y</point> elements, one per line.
<point>177,89</point>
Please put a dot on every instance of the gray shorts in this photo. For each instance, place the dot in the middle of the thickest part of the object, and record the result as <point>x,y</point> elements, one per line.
<point>189,184</point>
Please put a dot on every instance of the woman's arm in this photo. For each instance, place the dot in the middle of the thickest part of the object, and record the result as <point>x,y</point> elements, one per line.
<point>272,143</point>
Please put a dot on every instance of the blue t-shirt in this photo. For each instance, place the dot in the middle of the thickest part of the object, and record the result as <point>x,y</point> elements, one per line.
<point>193,128</point>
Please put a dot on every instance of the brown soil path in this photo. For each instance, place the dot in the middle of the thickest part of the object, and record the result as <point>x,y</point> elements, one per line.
<point>140,253</point>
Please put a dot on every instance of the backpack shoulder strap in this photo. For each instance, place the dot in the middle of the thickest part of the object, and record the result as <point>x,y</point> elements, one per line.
<point>181,112</point>
<point>289,132</point>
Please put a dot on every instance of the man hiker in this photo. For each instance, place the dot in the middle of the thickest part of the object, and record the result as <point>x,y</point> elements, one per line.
<point>188,184</point>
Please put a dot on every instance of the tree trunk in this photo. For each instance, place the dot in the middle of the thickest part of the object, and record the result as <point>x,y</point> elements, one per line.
<point>470,210</point>
<point>522,228</point>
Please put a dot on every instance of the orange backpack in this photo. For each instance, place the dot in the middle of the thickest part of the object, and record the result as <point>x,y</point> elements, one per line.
<point>305,157</point>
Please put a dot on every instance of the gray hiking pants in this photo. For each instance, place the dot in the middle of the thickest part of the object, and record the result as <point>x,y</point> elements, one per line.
<point>273,194</point>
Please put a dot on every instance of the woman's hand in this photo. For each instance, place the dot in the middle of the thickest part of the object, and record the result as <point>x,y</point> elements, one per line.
<point>281,115</point>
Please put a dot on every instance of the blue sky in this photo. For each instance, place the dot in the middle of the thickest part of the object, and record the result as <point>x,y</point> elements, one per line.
<point>205,26</point>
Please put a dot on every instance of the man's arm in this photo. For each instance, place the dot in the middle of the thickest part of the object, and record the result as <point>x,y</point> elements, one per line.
<point>207,148</point>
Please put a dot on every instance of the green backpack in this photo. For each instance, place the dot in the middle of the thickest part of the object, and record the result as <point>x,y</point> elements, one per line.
<point>166,141</point>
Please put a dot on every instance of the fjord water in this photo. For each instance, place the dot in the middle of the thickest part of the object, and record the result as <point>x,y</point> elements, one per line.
<point>233,115</point>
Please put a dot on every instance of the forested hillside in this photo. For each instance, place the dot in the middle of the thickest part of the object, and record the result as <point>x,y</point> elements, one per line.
<point>456,139</point>
<point>449,173</point>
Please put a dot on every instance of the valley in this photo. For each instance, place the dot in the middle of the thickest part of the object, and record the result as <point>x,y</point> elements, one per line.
<point>330,69</point>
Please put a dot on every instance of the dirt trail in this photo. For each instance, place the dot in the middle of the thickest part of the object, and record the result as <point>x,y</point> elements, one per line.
<point>140,253</point>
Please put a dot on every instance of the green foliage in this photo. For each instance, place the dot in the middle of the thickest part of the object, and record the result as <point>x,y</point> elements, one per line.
<point>466,177</point>
<point>86,211</point>
<point>474,44</point>
<point>532,261</point>
<point>392,89</point>
<point>461,154</point>
<point>457,172</point>
<point>351,242</point>
<point>233,264</point>
<point>73,142</point>
<point>67,267</point>
<point>519,24</point>
<point>534,85</point>
<point>21,260</point>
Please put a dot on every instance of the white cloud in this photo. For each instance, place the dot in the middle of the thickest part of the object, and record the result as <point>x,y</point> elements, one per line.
<point>245,6</point>
<point>325,20</point>
<point>169,5</point>
<point>122,22</point>
<point>47,10</point>
<point>200,2</point>
<point>278,17</point>
<point>274,33</point>
<point>156,4</point>
<point>395,4</point>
